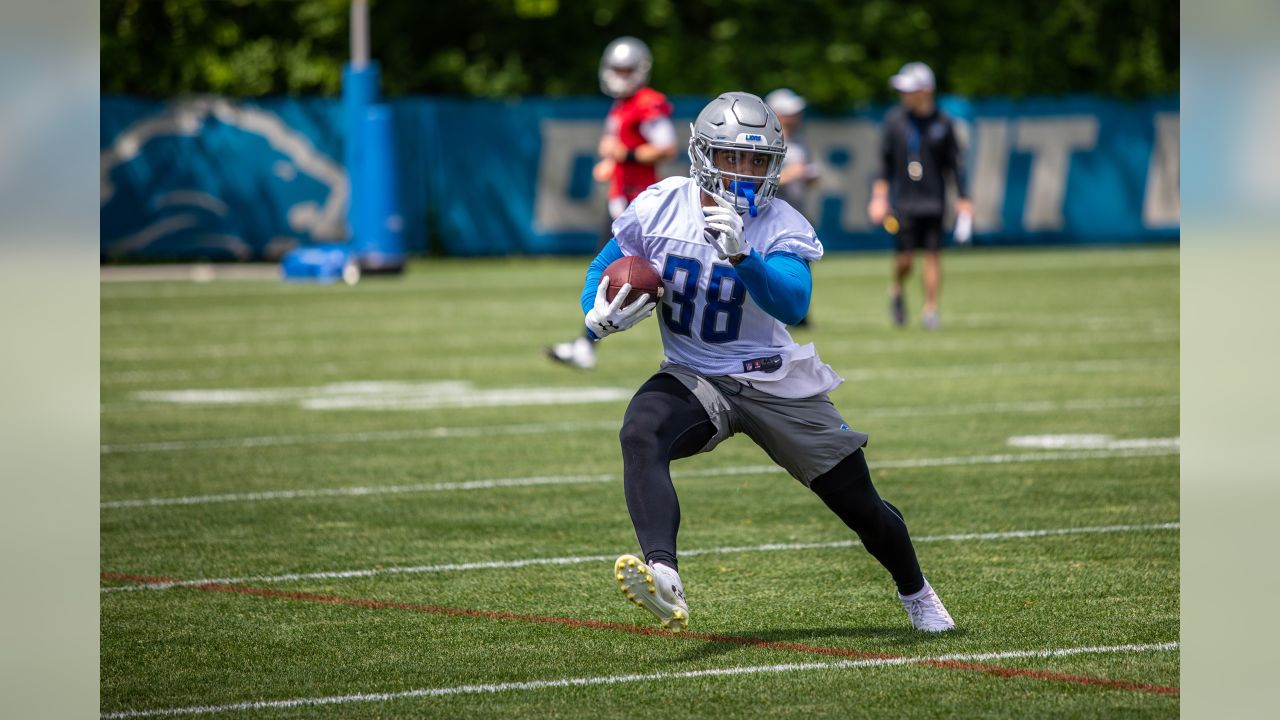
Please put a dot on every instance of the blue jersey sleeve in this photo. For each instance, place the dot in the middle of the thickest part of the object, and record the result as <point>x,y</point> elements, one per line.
<point>609,253</point>
<point>781,284</point>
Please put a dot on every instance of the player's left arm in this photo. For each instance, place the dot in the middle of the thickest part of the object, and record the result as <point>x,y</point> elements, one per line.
<point>954,163</point>
<point>659,136</point>
<point>780,283</point>
<point>659,145</point>
<point>595,271</point>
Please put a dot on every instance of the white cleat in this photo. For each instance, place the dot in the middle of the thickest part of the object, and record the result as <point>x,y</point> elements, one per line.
<point>655,588</point>
<point>579,353</point>
<point>926,611</point>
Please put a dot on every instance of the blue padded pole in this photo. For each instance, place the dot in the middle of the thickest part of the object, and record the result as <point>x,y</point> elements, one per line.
<point>359,92</point>
<point>378,223</point>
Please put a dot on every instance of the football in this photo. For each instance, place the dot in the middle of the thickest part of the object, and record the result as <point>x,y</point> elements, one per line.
<point>637,271</point>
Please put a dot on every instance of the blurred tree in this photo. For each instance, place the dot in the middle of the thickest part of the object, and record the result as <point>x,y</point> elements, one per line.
<point>235,47</point>
<point>836,52</point>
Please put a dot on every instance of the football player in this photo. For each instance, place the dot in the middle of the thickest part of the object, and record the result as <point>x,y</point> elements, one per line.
<point>735,267</point>
<point>638,135</point>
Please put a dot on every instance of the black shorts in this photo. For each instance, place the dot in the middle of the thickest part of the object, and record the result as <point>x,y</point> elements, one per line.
<point>919,232</point>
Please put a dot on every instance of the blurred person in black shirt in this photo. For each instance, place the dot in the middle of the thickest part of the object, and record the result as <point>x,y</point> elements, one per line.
<point>918,149</point>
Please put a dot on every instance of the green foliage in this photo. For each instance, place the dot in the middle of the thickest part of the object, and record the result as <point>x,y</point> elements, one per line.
<point>235,47</point>
<point>838,53</point>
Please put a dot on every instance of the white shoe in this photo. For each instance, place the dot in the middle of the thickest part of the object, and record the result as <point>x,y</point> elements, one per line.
<point>926,611</point>
<point>655,588</point>
<point>579,353</point>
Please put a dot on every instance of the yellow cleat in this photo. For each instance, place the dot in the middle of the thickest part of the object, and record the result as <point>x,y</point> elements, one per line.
<point>664,596</point>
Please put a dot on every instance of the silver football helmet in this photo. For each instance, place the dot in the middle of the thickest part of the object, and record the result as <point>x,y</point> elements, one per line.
<point>737,122</point>
<point>624,67</point>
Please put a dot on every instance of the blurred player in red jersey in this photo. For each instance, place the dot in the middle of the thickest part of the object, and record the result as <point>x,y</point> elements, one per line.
<point>638,135</point>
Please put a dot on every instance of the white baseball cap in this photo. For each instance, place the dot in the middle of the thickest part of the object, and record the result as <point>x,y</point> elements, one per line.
<point>913,76</point>
<point>784,101</point>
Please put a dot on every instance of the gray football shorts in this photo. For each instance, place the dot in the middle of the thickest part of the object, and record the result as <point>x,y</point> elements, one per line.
<point>806,436</point>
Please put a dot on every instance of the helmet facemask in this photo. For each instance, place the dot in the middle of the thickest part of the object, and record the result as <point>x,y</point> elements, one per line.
<point>714,168</point>
<point>621,82</point>
<point>733,124</point>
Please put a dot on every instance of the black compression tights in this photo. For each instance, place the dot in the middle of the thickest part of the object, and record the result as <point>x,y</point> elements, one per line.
<point>847,490</point>
<point>664,422</point>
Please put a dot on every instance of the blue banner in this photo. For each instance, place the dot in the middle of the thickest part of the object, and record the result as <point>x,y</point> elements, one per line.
<point>226,179</point>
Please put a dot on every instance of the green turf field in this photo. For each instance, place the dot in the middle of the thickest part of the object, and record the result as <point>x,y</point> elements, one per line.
<point>383,501</point>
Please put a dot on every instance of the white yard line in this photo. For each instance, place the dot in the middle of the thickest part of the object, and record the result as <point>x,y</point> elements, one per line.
<point>1142,332</point>
<point>437,433</point>
<point>632,678</point>
<point>388,395</point>
<point>1156,447</point>
<point>993,340</point>
<point>1103,365</point>
<point>1025,406</point>
<point>580,559</point>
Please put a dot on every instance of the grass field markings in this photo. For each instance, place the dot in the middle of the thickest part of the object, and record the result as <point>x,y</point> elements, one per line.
<point>432,394</point>
<point>1102,365</point>
<point>1028,406</point>
<point>1081,441</point>
<point>165,583</point>
<point>1144,332</point>
<point>948,661</point>
<point>361,491</point>
<point>1169,447</point>
<point>390,395</point>
<point>435,433</point>
<point>966,662</point>
<point>1024,406</point>
<point>1001,341</point>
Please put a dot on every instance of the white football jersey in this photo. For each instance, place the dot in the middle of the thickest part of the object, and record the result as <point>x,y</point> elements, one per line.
<point>709,321</point>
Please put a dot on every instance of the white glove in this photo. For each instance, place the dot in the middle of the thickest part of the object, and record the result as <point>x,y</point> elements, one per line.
<point>724,229</point>
<point>607,317</point>
<point>964,228</point>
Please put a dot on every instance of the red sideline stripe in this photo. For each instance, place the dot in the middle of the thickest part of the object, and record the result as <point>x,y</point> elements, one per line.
<point>637,630</point>
<point>1054,676</point>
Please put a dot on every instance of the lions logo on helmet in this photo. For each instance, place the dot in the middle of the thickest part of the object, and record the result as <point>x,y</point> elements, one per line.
<point>737,122</point>
<point>624,67</point>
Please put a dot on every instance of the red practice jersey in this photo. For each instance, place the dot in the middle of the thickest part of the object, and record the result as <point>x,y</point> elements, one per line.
<point>624,120</point>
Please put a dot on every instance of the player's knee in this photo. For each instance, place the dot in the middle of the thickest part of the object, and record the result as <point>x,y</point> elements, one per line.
<point>638,436</point>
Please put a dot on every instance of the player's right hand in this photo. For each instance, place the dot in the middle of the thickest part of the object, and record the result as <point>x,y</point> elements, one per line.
<point>608,317</point>
<point>724,229</point>
<point>602,172</point>
<point>877,210</point>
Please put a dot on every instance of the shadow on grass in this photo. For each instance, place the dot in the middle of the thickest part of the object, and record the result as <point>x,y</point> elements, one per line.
<point>884,641</point>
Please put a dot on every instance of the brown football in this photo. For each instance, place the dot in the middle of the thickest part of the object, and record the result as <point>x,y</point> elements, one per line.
<point>637,271</point>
